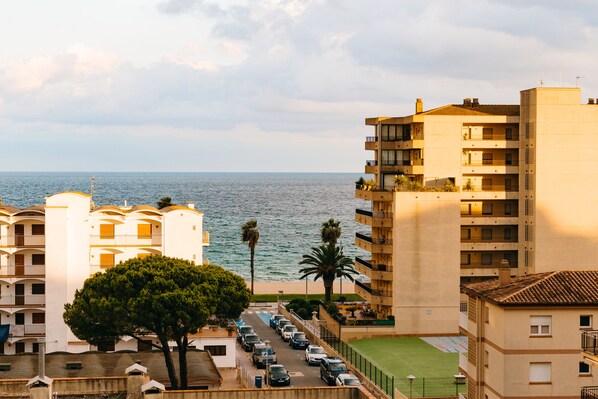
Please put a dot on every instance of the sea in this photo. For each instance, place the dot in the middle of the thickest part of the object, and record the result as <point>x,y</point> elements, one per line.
<point>289,208</point>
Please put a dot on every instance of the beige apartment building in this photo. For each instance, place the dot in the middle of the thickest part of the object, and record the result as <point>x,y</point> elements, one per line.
<point>47,252</point>
<point>524,335</point>
<point>481,183</point>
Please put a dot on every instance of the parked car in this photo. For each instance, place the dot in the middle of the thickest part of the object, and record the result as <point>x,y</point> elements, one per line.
<point>281,324</point>
<point>330,368</point>
<point>276,374</point>
<point>242,330</point>
<point>347,379</point>
<point>275,319</point>
<point>314,354</point>
<point>249,340</point>
<point>298,340</point>
<point>288,330</point>
<point>263,355</point>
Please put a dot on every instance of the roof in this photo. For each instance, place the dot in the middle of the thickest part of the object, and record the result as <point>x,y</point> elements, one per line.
<point>476,110</point>
<point>201,367</point>
<point>558,288</point>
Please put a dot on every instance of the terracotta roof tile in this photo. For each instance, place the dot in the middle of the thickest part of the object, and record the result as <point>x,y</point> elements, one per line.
<point>559,288</point>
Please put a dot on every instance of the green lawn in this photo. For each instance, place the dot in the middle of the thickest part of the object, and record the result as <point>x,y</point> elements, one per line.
<point>288,297</point>
<point>433,369</point>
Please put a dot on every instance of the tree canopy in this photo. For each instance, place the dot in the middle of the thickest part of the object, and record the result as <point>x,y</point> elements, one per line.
<point>166,297</point>
<point>164,202</point>
<point>330,232</point>
<point>327,262</point>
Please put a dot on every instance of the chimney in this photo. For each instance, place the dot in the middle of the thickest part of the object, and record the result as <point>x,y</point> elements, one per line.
<point>191,205</point>
<point>504,273</point>
<point>467,102</point>
<point>476,102</point>
<point>590,101</point>
<point>419,106</point>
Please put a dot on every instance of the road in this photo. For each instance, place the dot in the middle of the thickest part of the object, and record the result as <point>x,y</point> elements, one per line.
<point>301,374</point>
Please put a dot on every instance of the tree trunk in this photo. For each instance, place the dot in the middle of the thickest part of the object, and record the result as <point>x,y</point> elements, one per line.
<point>183,361</point>
<point>328,290</point>
<point>251,254</point>
<point>169,363</point>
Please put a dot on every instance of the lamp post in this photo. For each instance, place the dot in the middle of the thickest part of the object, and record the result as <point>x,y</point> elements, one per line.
<point>305,289</point>
<point>281,298</point>
<point>411,377</point>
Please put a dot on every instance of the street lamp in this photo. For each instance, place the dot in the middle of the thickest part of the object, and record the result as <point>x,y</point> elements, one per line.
<point>411,377</point>
<point>280,293</point>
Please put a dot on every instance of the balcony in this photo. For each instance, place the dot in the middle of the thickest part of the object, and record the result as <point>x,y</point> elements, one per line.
<point>497,244</point>
<point>373,219</point>
<point>373,245</point>
<point>206,238</point>
<point>589,392</point>
<point>490,192</point>
<point>375,272</point>
<point>404,143</point>
<point>126,240</point>
<point>589,345</point>
<point>408,167</point>
<point>22,271</point>
<point>463,363</point>
<point>372,295</point>
<point>23,241</point>
<point>491,167</point>
<point>374,195</point>
<point>11,301</point>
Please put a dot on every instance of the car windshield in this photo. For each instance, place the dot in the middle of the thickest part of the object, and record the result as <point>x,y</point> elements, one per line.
<point>317,351</point>
<point>252,338</point>
<point>290,328</point>
<point>246,330</point>
<point>277,317</point>
<point>278,371</point>
<point>338,367</point>
<point>352,381</point>
<point>299,336</point>
<point>264,351</point>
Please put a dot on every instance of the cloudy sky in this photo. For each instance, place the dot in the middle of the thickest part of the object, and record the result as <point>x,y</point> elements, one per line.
<point>262,85</point>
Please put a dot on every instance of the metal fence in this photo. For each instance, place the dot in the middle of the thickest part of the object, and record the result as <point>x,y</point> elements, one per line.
<point>589,393</point>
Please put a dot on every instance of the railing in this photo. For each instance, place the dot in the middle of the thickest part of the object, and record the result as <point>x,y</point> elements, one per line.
<point>374,214</point>
<point>24,270</point>
<point>20,300</point>
<point>497,162</point>
<point>398,162</point>
<point>369,139</point>
<point>491,240</point>
<point>126,239</point>
<point>371,240</point>
<point>363,212</point>
<point>371,162</point>
<point>363,286</point>
<point>490,188</point>
<point>491,215</point>
<point>494,136</point>
<point>589,342</point>
<point>35,329</point>
<point>493,265</point>
<point>589,392</point>
<point>18,240</point>
<point>363,262</point>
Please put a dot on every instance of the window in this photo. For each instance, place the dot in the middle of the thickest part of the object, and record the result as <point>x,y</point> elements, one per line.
<point>38,318</point>
<point>106,260</point>
<point>508,235</point>
<point>486,234</point>
<point>465,234</point>
<point>508,158</point>
<point>486,314</point>
<point>38,289</point>
<point>465,209</point>
<point>106,231</point>
<point>486,208</point>
<point>35,347</point>
<point>465,259</point>
<point>487,133</point>
<point>486,259</point>
<point>216,350</point>
<point>106,347</point>
<point>38,259</point>
<point>20,347</point>
<point>144,231</point>
<point>37,229</point>
<point>509,133</point>
<point>585,321</point>
<point>584,368</point>
<point>508,185</point>
<point>20,319</point>
<point>486,184</point>
<point>507,209</point>
<point>539,372</point>
<point>540,325</point>
<point>487,158</point>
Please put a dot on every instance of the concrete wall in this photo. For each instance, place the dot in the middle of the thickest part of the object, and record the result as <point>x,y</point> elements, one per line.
<point>66,386</point>
<point>273,393</point>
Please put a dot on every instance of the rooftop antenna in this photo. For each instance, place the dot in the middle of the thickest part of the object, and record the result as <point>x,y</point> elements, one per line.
<point>91,190</point>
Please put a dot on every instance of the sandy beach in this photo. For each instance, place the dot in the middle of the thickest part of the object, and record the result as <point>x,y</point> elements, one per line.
<point>298,287</point>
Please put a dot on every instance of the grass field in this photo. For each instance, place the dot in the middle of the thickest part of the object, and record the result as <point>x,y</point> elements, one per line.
<point>433,369</point>
<point>288,297</point>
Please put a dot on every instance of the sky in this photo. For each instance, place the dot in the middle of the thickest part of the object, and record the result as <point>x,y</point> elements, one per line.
<point>262,85</point>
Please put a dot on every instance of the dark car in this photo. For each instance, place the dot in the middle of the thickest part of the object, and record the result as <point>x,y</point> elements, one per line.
<point>242,330</point>
<point>249,340</point>
<point>281,324</point>
<point>275,319</point>
<point>298,340</point>
<point>263,355</point>
<point>277,375</point>
<point>330,368</point>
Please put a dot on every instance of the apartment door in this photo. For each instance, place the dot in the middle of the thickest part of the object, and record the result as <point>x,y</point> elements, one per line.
<point>19,235</point>
<point>19,294</point>
<point>19,265</point>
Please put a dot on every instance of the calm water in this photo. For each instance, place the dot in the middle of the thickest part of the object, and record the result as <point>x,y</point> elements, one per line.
<point>289,208</point>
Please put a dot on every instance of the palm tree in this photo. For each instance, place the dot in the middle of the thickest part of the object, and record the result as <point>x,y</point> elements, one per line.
<point>250,234</point>
<point>328,262</point>
<point>330,232</point>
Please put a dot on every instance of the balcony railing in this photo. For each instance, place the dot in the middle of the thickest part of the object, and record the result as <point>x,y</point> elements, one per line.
<point>373,214</point>
<point>491,240</point>
<point>495,162</point>
<point>24,270</point>
<point>496,187</point>
<point>373,291</point>
<point>398,162</point>
<point>369,139</point>
<point>589,392</point>
<point>380,267</point>
<point>363,286</point>
<point>589,342</point>
<point>17,240</point>
<point>22,300</point>
<point>373,240</point>
<point>126,239</point>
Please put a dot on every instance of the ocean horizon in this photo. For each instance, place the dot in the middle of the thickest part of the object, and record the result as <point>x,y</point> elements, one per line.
<point>289,207</point>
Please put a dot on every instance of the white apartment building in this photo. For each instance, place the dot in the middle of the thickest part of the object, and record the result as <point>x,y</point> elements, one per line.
<point>47,252</point>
